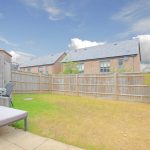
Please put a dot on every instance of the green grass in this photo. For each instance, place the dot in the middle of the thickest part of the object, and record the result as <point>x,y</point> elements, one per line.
<point>147,79</point>
<point>90,123</point>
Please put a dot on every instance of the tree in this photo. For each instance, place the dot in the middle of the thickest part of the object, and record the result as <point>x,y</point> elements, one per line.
<point>71,68</point>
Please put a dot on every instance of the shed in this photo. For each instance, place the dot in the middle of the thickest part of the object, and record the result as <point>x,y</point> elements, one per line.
<point>5,67</point>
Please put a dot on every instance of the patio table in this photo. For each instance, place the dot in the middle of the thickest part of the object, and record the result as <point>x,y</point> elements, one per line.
<point>11,115</point>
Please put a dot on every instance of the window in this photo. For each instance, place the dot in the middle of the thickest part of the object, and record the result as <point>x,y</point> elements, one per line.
<point>120,62</point>
<point>46,70</point>
<point>29,69</point>
<point>105,66</point>
<point>80,68</point>
<point>40,70</point>
<point>23,69</point>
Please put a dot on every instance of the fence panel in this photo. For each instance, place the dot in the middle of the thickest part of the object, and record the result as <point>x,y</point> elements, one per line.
<point>125,86</point>
<point>30,83</point>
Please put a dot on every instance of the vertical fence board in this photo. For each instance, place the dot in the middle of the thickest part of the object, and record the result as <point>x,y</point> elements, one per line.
<point>125,86</point>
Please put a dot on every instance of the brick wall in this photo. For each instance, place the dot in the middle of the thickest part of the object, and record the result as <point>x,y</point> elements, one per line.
<point>91,67</point>
<point>52,69</point>
<point>131,64</point>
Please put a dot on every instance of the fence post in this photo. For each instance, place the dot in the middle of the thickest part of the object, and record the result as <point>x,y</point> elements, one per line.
<point>40,82</point>
<point>77,85</point>
<point>52,83</point>
<point>116,91</point>
<point>49,81</point>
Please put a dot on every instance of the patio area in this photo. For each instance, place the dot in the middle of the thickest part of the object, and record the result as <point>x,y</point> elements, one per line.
<point>17,139</point>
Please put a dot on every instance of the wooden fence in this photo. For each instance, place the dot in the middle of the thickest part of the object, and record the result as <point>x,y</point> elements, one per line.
<point>30,83</point>
<point>128,86</point>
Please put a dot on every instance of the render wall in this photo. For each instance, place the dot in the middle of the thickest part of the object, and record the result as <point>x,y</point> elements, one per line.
<point>5,68</point>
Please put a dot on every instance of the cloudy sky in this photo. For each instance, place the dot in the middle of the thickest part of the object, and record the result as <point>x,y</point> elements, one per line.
<point>41,27</point>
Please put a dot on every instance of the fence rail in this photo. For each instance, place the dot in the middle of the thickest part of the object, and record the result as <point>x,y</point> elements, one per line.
<point>128,86</point>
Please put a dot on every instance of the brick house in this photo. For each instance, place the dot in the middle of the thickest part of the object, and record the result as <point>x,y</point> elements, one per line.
<point>50,64</point>
<point>112,57</point>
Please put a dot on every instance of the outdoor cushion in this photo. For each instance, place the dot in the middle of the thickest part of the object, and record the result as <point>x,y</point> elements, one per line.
<point>10,115</point>
<point>2,91</point>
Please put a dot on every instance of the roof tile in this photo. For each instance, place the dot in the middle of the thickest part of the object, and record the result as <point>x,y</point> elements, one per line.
<point>123,48</point>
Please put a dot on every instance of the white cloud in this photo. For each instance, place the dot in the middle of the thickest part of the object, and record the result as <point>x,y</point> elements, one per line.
<point>14,55</point>
<point>77,43</point>
<point>52,10</point>
<point>54,13</point>
<point>21,57</point>
<point>136,16</point>
<point>134,10</point>
<point>144,47</point>
<point>141,26</point>
<point>33,3</point>
<point>5,41</point>
<point>49,6</point>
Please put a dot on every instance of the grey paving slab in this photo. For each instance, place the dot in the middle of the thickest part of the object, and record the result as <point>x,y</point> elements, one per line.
<point>55,145</point>
<point>29,141</point>
<point>16,139</point>
<point>70,147</point>
<point>52,145</point>
<point>4,144</point>
<point>13,147</point>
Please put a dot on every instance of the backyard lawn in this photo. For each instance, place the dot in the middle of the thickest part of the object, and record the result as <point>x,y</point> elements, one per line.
<point>147,79</point>
<point>89,123</point>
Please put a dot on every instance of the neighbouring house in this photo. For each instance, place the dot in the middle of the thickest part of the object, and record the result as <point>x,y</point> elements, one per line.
<point>50,64</point>
<point>5,67</point>
<point>20,59</point>
<point>14,66</point>
<point>120,56</point>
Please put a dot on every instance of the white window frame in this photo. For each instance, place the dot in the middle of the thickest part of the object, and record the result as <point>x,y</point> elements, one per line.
<point>40,69</point>
<point>122,61</point>
<point>29,69</point>
<point>104,66</point>
<point>46,70</point>
<point>80,67</point>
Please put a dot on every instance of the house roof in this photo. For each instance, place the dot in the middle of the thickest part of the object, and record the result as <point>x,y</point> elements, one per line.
<point>43,60</point>
<point>124,48</point>
<point>2,50</point>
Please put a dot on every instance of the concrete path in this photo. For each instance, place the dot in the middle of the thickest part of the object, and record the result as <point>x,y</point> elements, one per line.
<point>16,139</point>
